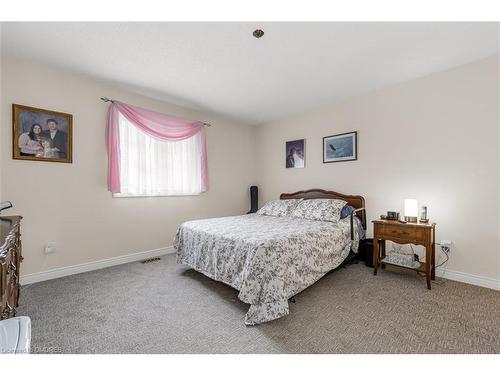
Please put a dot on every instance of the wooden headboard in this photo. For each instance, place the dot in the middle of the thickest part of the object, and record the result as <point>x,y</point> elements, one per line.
<point>356,201</point>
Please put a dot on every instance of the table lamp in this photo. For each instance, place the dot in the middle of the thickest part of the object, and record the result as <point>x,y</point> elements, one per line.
<point>411,210</point>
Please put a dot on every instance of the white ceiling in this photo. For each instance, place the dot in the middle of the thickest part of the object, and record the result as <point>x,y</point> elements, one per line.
<point>220,67</point>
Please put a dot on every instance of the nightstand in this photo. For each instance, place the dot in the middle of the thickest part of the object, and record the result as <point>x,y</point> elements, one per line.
<point>415,233</point>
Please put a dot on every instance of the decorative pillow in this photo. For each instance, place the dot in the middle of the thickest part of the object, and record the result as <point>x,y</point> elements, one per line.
<point>346,211</point>
<point>281,207</point>
<point>319,209</point>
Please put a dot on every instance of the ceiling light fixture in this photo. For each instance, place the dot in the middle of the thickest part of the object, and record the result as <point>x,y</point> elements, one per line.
<point>258,33</point>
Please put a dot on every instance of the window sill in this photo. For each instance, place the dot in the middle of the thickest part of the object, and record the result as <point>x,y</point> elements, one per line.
<point>120,195</point>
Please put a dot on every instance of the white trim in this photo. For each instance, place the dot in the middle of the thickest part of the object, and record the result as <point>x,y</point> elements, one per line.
<point>468,278</point>
<point>91,266</point>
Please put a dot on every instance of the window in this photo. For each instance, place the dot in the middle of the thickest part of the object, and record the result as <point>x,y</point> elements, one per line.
<point>152,167</point>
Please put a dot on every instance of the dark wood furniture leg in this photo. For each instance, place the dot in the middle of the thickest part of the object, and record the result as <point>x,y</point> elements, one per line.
<point>433,271</point>
<point>375,255</point>
<point>382,243</point>
<point>428,264</point>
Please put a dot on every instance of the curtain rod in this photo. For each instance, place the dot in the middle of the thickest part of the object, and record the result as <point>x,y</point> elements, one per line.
<point>104,99</point>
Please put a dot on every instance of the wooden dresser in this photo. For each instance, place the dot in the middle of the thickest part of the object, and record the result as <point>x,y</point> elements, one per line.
<point>10,260</point>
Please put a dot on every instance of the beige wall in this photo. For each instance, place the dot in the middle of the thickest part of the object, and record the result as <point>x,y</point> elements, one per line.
<point>69,203</point>
<point>435,139</point>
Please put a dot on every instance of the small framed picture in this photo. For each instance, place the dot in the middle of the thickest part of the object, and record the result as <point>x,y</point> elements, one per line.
<point>340,147</point>
<point>295,154</point>
<point>41,135</point>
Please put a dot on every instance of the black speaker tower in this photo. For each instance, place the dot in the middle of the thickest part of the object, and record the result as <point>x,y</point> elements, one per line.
<point>254,199</point>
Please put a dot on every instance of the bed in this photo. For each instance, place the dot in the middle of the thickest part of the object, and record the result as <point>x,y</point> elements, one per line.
<point>269,259</point>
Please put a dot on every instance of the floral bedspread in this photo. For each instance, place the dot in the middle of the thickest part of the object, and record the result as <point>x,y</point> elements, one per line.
<point>268,259</point>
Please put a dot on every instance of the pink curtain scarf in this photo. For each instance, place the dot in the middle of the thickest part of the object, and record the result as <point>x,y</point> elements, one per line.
<point>158,125</point>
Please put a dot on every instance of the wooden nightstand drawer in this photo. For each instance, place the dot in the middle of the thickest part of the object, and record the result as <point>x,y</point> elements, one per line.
<point>396,232</point>
<point>422,235</point>
<point>402,234</point>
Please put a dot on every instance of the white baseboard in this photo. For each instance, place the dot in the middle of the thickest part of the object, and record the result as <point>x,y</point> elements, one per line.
<point>468,278</point>
<point>91,266</point>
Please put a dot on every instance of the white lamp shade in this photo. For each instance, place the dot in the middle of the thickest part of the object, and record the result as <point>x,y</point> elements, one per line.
<point>411,208</point>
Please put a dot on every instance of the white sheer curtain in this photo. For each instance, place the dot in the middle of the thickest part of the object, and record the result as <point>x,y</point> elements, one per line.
<point>151,167</point>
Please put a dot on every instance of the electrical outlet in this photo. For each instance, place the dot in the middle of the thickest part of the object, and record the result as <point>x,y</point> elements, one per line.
<point>50,248</point>
<point>445,245</point>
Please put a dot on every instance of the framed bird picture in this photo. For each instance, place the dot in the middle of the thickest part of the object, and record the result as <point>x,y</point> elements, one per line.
<point>340,147</point>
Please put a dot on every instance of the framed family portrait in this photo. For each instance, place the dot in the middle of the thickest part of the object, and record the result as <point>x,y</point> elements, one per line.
<point>41,135</point>
<point>340,147</point>
<point>295,154</point>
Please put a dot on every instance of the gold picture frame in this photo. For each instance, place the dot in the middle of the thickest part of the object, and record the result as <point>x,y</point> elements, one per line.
<point>41,134</point>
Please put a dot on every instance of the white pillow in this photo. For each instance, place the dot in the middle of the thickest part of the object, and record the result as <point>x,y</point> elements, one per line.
<point>319,209</point>
<point>281,207</point>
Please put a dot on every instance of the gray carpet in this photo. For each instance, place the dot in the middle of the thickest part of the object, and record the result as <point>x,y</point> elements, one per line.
<point>162,307</point>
